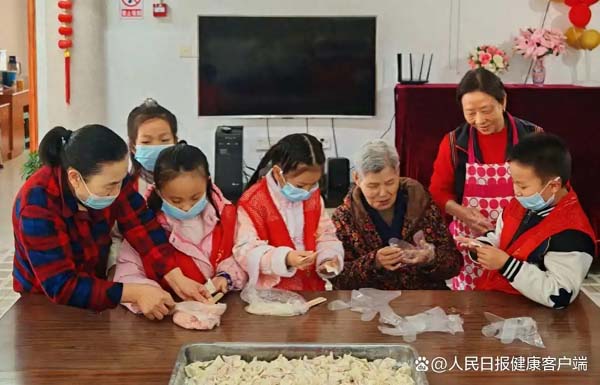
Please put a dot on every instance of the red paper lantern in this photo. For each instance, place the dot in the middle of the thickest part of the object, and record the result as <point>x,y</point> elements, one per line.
<point>64,44</point>
<point>580,15</point>
<point>65,17</point>
<point>65,31</point>
<point>65,4</point>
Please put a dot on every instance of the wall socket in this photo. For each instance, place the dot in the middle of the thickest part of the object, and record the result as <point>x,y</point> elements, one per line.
<point>186,51</point>
<point>262,144</point>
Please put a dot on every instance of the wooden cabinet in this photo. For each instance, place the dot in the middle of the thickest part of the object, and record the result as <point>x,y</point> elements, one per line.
<point>19,104</point>
<point>5,123</point>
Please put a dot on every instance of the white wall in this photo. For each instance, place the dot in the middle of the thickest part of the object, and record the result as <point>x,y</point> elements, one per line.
<point>88,67</point>
<point>142,59</point>
<point>13,31</point>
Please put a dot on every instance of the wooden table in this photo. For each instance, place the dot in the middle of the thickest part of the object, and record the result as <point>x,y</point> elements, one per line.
<point>19,104</point>
<point>42,343</point>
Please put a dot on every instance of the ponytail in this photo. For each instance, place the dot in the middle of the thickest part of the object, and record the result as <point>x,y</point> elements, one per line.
<point>85,150</point>
<point>263,166</point>
<point>52,146</point>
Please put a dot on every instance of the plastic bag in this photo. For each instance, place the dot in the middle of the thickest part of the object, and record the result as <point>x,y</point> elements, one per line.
<point>198,315</point>
<point>273,302</point>
<point>369,302</point>
<point>507,330</point>
<point>432,320</point>
<point>420,247</point>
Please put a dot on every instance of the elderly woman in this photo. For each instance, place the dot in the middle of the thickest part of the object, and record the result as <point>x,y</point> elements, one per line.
<point>381,206</point>
<point>471,181</point>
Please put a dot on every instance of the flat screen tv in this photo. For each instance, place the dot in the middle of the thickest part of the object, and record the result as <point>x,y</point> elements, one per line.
<point>286,66</point>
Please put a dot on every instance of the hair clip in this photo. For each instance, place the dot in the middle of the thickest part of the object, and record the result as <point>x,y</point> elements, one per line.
<point>149,102</point>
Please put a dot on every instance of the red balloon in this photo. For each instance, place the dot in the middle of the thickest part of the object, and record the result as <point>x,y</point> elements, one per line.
<point>66,31</point>
<point>65,17</point>
<point>62,44</point>
<point>572,3</point>
<point>580,15</point>
<point>65,4</point>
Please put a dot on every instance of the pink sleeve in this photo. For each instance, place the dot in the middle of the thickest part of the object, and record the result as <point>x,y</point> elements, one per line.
<point>328,245</point>
<point>235,271</point>
<point>249,247</point>
<point>130,269</point>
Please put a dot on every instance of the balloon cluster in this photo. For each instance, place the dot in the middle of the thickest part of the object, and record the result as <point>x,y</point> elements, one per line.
<point>65,43</point>
<point>580,15</point>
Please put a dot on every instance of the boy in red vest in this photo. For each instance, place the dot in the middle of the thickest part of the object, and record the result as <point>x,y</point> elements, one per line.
<point>543,244</point>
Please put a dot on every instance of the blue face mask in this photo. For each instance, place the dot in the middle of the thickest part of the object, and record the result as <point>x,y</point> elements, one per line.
<point>536,202</point>
<point>97,202</point>
<point>177,213</point>
<point>147,155</point>
<point>295,194</point>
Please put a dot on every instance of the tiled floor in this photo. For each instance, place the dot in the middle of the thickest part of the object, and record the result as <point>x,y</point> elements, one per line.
<point>10,182</point>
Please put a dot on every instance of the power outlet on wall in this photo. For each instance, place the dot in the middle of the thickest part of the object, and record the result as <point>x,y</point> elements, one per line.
<point>186,51</point>
<point>262,144</point>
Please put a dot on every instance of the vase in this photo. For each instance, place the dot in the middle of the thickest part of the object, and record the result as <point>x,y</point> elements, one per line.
<point>538,74</point>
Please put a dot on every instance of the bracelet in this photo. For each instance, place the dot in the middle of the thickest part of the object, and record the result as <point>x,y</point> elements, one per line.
<point>227,278</point>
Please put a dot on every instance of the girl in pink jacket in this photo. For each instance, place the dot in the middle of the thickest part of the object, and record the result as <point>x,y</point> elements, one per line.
<point>199,220</point>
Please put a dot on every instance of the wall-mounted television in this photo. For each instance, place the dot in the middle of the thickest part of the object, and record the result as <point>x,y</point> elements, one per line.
<point>286,66</point>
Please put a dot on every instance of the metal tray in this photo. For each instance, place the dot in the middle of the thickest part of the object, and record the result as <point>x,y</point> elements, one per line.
<point>270,351</point>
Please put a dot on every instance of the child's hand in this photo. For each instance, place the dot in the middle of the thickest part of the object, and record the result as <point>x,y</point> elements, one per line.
<point>491,258</point>
<point>221,284</point>
<point>301,260</point>
<point>329,268</point>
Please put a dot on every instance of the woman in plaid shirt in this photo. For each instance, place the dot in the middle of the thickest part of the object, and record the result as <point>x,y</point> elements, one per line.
<point>62,219</point>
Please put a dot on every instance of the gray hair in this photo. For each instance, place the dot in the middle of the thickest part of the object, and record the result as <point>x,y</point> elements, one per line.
<point>374,156</point>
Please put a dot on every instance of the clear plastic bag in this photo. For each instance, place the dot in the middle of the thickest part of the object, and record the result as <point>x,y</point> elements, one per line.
<point>507,330</point>
<point>274,302</point>
<point>198,315</point>
<point>432,320</point>
<point>369,302</point>
<point>413,251</point>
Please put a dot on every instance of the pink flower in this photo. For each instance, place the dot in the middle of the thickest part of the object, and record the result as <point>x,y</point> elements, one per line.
<point>484,58</point>
<point>537,43</point>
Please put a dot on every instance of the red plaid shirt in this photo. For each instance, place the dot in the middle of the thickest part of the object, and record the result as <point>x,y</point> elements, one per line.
<point>62,251</point>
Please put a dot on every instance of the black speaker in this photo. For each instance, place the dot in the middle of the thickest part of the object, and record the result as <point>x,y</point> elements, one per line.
<point>229,151</point>
<point>338,181</point>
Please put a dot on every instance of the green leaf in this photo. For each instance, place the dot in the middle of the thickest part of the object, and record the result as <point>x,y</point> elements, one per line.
<point>32,164</point>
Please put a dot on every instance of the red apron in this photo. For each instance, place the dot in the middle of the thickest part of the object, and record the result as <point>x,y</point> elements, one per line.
<point>488,188</point>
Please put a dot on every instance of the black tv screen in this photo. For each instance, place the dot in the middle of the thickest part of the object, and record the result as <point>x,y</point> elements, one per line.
<point>286,66</point>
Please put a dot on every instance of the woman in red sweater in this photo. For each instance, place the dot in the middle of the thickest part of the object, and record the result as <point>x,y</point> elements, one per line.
<point>470,178</point>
